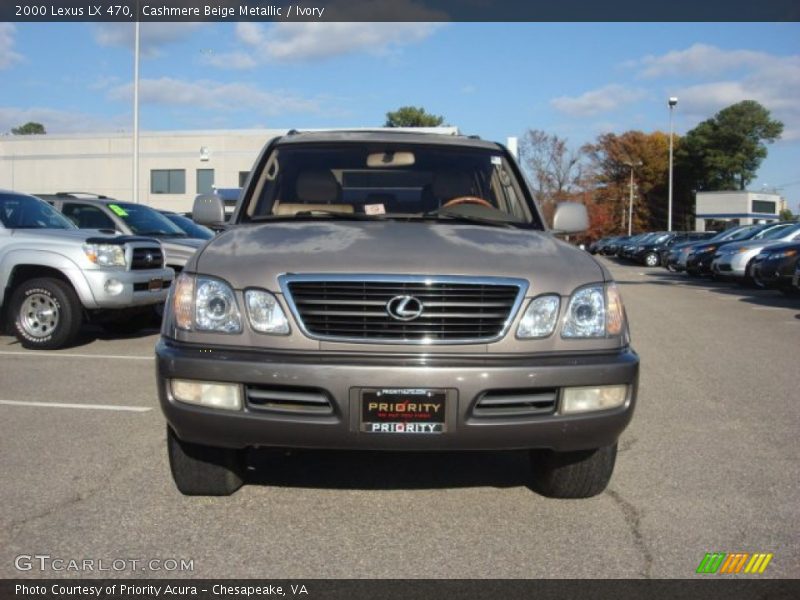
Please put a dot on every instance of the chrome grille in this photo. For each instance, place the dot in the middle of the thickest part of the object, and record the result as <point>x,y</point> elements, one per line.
<point>139,260</point>
<point>453,309</point>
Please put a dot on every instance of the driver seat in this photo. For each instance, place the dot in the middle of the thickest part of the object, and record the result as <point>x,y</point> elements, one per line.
<point>447,185</point>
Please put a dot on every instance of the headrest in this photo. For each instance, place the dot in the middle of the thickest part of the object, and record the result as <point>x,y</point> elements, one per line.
<point>451,184</point>
<point>317,187</point>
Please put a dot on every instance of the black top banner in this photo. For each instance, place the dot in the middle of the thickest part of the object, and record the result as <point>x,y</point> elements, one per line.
<point>400,10</point>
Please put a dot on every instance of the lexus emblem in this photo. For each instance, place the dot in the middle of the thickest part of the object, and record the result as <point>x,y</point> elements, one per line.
<point>148,258</point>
<point>404,308</point>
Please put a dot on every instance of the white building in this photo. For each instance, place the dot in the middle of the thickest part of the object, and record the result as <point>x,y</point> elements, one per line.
<point>174,166</point>
<point>719,210</point>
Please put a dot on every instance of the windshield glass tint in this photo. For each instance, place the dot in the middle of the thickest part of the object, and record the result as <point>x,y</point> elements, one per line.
<point>736,233</point>
<point>24,212</point>
<point>384,179</point>
<point>144,220</point>
<point>190,228</point>
<point>773,233</point>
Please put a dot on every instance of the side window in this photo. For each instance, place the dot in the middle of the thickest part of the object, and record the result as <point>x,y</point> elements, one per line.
<point>86,216</point>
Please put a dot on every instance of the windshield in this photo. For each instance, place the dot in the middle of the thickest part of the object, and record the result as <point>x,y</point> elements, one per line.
<point>190,228</point>
<point>661,238</point>
<point>773,233</point>
<point>143,220</point>
<point>385,180</point>
<point>25,212</point>
<point>736,233</point>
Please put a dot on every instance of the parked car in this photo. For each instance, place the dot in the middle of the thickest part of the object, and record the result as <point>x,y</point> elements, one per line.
<point>306,305</point>
<point>796,278</point>
<point>189,227</point>
<point>597,246</point>
<point>698,260</point>
<point>649,252</point>
<point>53,275</point>
<point>673,256</point>
<point>627,249</point>
<point>89,211</point>
<point>775,267</point>
<point>736,260</point>
<point>612,247</point>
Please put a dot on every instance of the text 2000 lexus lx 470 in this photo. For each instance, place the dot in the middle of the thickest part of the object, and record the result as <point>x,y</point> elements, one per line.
<point>393,291</point>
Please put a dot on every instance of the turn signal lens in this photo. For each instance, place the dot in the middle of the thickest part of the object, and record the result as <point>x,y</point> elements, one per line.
<point>615,312</point>
<point>182,300</point>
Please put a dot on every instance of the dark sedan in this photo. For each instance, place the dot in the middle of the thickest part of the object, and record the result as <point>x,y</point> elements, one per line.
<point>698,260</point>
<point>652,252</point>
<point>613,246</point>
<point>775,267</point>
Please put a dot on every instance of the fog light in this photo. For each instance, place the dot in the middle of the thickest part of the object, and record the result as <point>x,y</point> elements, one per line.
<point>585,399</point>
<point>113,287</point>
<point>227,396</point>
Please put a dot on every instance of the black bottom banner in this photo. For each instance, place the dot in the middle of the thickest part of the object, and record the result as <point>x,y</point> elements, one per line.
<point>397,589</point>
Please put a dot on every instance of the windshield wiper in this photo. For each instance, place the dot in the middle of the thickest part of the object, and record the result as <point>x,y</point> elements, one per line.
<point>315,214</point>
<point>459,217</point>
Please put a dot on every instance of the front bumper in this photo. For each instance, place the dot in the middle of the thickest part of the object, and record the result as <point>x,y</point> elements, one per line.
<point>775,273</point>
<point>699,263</point>
<point>464,378</point>
<point>135,287</point>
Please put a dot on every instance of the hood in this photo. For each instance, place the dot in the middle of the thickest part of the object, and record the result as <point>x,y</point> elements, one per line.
<point>64,235</point>
<point>255,255</point>
<point>179,251</point>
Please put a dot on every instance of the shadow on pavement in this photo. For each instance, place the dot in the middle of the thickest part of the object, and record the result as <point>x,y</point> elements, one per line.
<point>387,470</point>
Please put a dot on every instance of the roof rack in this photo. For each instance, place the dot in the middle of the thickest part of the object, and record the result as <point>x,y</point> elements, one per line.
<point>81,195</point>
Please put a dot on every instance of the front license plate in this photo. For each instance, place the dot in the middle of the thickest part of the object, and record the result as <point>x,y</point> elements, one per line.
<point>155,285</point>
<point>408,410</point>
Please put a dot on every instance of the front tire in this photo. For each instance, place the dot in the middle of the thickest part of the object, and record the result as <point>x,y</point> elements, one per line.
<point>199,470</point>
<point>651,260</point>
<point>580,474</point>
<point>46,313</point>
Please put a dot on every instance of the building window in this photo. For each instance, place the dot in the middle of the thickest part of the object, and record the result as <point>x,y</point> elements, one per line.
<point>168,181</point>
<point>205,181</point>
<point>764,206</point>
<point>243,175</point>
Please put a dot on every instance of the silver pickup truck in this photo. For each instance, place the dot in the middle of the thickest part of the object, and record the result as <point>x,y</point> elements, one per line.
<point>54,276</point>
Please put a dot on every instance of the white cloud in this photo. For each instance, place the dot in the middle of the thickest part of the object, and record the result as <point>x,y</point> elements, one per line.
<point>601,100</point>
<point>731,76</point>
<point>8,57</point>
<point>212,95</point>
<point>152,36</point>
<point>700,60</point>
<point>229,60</point>
<point>60,121</point>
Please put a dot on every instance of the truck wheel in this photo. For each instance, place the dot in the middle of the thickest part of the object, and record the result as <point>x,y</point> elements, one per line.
<point>46,313</point>
<point>651,260</point>
<point>204,470</point>
<point>580,474</point>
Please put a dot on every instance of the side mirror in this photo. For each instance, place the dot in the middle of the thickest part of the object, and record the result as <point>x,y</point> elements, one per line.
<point>208,209</point>
<point>570,217</point>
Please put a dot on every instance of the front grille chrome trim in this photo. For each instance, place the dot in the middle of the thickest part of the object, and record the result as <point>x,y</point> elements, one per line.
<point>521,284</point>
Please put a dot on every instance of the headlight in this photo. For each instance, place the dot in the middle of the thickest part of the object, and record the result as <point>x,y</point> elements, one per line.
<point>215,307</point>
<point>264,313</point>
<point>705,250</point>
<point>782,254</point>
<point>594,311</point>
<point>540,318</point>
<point>105,255</point>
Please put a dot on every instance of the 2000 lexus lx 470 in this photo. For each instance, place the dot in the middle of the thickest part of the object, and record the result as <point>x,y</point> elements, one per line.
<point>393,291</point>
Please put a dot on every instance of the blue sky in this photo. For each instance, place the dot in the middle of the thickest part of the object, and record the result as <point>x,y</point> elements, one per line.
<point>491,79</point>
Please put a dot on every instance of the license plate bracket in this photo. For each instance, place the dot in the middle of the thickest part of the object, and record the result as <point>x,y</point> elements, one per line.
<point>411,411</point>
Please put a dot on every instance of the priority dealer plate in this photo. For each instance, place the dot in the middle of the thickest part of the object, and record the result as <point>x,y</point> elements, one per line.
<point>403,410</point>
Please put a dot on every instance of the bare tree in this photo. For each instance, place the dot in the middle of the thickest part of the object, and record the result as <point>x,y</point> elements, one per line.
<point>555,171</point>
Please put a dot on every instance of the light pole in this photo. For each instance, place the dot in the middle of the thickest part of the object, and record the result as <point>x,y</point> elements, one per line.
<point>632,165</point>
<point>136,107</point>
<point>671,103</point>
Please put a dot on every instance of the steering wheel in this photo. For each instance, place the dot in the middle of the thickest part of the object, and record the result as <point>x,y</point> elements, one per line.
<point>467,200</point>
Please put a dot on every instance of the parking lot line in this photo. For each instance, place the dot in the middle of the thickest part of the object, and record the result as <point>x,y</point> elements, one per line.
<point>138,409</point>
<point>69,355</point>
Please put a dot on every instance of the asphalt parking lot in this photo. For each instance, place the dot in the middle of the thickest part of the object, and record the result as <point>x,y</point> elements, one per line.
<point>710,463</point>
